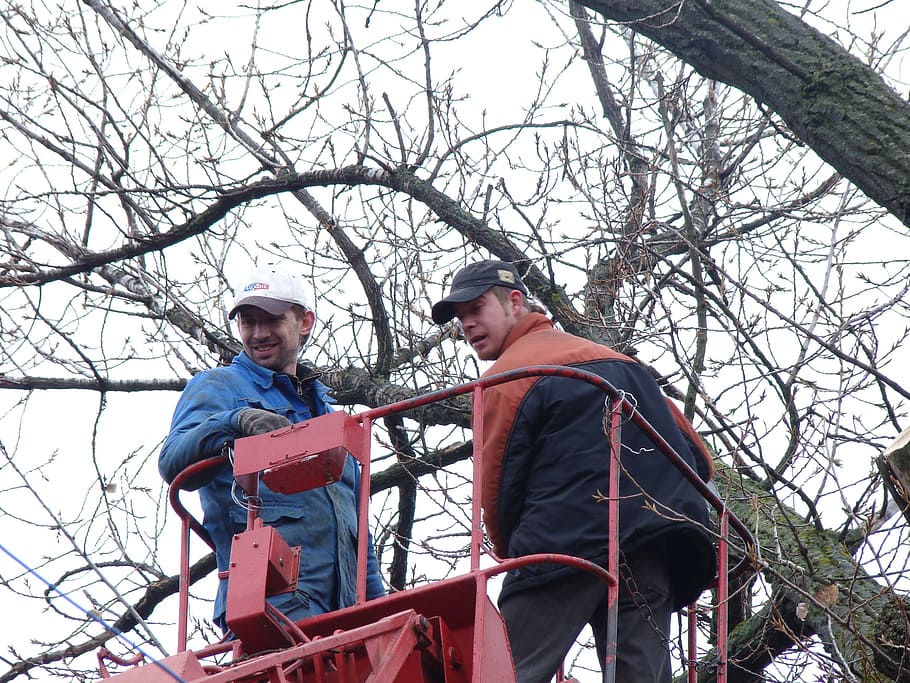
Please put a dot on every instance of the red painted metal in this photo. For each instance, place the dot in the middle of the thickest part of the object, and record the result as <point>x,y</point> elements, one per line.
<point>262,564</point>
<point>480,646</point>
<point>447,631</point>
<point>612,427</point>
<point>301,457</point>
<point>723,592</point>
<point>476,428</point>
<point>188,523</point>
<point>363,521</point>
<point>692,662</point>
<point>183,666</point>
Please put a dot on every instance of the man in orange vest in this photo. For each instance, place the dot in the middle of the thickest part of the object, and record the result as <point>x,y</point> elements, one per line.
<point>546,459</point>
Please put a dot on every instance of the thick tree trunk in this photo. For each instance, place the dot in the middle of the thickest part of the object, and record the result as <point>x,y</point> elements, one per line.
<point>819,590</point>
<point>834,103</point>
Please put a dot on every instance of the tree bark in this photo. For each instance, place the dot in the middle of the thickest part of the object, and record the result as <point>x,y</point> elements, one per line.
<point>819,590</point>
<point>833,102</point>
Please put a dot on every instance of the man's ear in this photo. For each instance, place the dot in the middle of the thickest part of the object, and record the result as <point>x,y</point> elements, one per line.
<point>516,301</point>
<point>307,320</point>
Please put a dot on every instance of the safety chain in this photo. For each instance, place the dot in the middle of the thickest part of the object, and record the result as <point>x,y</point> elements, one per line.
<point>642,604</point>
<point>674,648</point>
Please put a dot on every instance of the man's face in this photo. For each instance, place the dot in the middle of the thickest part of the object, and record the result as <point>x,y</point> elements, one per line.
<point>486,322</point>
<point>273,341</point>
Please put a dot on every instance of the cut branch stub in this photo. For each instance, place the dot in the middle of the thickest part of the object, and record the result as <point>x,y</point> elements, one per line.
<point>894,464</point>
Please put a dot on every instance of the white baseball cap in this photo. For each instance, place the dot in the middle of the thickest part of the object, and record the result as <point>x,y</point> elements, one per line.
<point>270,288</point>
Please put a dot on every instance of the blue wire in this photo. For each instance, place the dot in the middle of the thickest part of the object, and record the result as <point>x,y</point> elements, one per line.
<point>89,614</point>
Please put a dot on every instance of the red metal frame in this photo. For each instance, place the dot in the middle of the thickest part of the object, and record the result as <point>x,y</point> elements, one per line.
<point>393,638</point>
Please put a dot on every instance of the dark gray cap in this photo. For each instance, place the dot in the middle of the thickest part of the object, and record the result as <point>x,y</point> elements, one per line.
<point>472,281</point>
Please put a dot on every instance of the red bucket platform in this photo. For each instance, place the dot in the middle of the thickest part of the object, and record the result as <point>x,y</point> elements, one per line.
<point>445,631</point>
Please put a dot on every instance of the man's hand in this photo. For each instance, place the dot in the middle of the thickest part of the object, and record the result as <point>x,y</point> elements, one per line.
<point>253,421</point>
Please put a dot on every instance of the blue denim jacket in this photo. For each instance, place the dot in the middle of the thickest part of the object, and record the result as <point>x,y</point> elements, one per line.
<point>322,521</point>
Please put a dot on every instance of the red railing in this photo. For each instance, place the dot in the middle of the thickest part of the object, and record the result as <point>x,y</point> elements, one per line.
<point>617,410</point>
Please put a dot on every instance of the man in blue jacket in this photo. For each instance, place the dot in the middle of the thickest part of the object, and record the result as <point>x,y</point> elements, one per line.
<point>267,388</point>
<point>545,468</point>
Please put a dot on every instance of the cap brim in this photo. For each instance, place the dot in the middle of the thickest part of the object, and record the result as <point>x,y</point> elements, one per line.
<point>267,304</point>
<point>444,310</point>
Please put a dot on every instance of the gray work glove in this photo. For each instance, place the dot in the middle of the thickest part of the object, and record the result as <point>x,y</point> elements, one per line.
<point>253,421</point>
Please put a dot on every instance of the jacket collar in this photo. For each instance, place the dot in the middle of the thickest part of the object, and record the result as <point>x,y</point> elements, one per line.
<point>266,378</point>
<point>532,322</point>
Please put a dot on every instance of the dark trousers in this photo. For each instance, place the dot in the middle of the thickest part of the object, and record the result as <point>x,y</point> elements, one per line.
<point>543,622</point>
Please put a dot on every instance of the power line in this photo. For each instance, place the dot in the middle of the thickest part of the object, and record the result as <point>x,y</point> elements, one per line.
<point>91,614</point>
